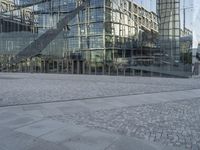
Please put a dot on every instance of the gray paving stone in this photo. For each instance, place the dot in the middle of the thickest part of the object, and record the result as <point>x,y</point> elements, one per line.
<point>65,134</point>
<point>165,121</point>
<point>16,141</point>
<point>41,127</point>
<point>127,143</point>
<point>39,88</point>
<point>91,140</point>
<point>20,121</point>
<point>161,113</point>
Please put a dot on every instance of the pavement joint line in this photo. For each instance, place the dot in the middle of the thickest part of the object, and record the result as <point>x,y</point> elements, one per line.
<point>109,145</point>
<point>50,131</point>
<point>92,98</point>
<point>28,124</point>
<point>88,130</point>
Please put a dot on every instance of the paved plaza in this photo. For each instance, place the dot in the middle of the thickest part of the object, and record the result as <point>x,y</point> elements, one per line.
<point>74,112</point>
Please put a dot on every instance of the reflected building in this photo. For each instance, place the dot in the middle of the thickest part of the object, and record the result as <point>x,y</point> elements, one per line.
<point>169,29</point>
<point>106,33</point>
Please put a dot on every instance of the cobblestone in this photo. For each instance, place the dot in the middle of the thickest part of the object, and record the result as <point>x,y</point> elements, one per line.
<point>39,88</point>
<point>171,123</point>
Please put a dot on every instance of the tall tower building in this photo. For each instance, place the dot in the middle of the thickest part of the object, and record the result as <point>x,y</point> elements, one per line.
<point>169,28</point>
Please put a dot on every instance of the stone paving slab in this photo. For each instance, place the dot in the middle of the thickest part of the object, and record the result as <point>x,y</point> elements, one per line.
<point>91,140</point>
<point>175,123</point>
<point>41,128</point>
<point>65,134</point>
<point>150,114</point>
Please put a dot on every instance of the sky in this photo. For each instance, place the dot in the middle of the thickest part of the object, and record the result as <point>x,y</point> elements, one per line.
<point>196,23</point>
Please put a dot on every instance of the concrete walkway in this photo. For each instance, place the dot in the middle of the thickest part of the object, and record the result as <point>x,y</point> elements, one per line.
<point>69,112</point>
<point>35,127</point>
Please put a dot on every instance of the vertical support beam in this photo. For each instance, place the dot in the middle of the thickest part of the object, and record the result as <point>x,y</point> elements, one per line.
<point>7,66</point>
<point>41,65</point>
<point>67,66</point>
<point>109,69</point>
<point>44,66</point>
<point>35,66</point>
<point>53,65</point>
<point>72,66</point>
<point>103,69</point>
<point>141,72</point>
<point>83,67</point>
<point>31,65</point>
<point>48,66</point>
<point>78,67</point>
<point>26,66</point>
<point>95,69</point>
<point>133,70</point>
<point>89,67</point>
<point>57,67</point>
<point>62,66</point>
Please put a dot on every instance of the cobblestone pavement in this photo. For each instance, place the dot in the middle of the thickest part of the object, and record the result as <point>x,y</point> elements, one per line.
<point>38,88</point>
<point>156,117</point>
<point>172,123</point>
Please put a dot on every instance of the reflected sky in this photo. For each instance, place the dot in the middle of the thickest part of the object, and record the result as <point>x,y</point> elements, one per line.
<point>196,22</point>
<point>192,18</point>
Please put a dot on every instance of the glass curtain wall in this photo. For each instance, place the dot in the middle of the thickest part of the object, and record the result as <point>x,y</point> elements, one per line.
<point>169,30</point>
<point>120,30</point>
<point>106,36</point>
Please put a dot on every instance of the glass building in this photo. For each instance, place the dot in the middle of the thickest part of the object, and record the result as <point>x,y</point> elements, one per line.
<point>169,30</point>
<point>101,37</point>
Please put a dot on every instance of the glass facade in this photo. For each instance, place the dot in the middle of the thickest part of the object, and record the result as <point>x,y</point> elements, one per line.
<point>169,29</point>
<point>105,37</point>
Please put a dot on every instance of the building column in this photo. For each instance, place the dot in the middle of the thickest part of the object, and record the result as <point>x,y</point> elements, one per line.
<point>83,67</point>
<point>95,69</point>
<point>141,72</point>
<point>44,66</point>
<point>72,66</point>
<point>124,71</point>
<point>53,65</point>
<point>89,68</point>
<point>109,70</point>
<point>62,66</point>
<point>67,62</point>
<point>31,65</point>
<point>57,67</point>
<point>26,67</point>
<point>78,67</point>
<point>133,70</point>
<point>48,66</point>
